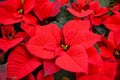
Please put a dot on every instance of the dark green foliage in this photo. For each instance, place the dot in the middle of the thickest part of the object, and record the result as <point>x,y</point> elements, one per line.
<point>63,73</point>
<point>64,16</point>
<point>101,30</point>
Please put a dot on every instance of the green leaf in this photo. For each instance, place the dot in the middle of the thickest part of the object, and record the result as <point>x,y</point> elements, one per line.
<point>104,3</point>
<point>64,16</point>
<point>67,75</point>
<point>101,30</point>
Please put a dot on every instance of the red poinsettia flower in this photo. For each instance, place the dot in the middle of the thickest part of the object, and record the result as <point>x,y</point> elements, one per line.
<point>113,23</point>
<point>85,8</point>
<point>12,11</point>
<point>21,63</point>
<point>10,38</point>
<point>45,8</point>
<point>110,50</point>
<point>69,44</point>
<point>98,12</point>
<point>81,9</point>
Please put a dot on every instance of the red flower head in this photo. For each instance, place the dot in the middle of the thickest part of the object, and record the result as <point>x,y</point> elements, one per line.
<point>90,9</point>
<point>10,37</point>
<point>68,44</point>
<point>81,9</point>
<point>113,50</point>
<point>12,11</point>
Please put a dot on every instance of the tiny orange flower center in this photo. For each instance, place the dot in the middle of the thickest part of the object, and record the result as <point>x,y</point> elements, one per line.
<point>9,36</point>
<point>20,11</point>
<point>117,54</point>
<point>65,47</point>
<point>82,10</point>
<point>65,78</point>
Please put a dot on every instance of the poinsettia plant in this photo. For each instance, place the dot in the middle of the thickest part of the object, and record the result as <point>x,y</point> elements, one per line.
<point>59,40</point>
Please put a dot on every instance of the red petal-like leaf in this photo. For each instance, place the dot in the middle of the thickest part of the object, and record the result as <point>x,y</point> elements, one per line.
<point>113,22</point>
<point>45,42</point>
<point>63,2</point>
<point>50,67</point>
<point>79,34</point>
<point>87,39</point>
<point>80,14</point>
<point>106,53</point>
<point>111,39</point>
<point>90,77</point>
<point>29,19</point>
<point>29,29</point>
<point>21,63</point>
<point>72,28</point>
<point>43,9</point>
<point>82,2</point>
<point>116,36</point>
<point>75,60</point>
<point>110,70</point>
<point>29,5</point>
<point>93,56</point>
<point>6,44</point>
<point>56,8</point>
<point>7,18</point>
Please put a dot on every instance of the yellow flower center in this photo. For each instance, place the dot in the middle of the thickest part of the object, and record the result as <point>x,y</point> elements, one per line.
<point>65,47</point>
<point>65,78</point>
<point>20,11</point>
<point>23,1</point>
<point>117,54</point>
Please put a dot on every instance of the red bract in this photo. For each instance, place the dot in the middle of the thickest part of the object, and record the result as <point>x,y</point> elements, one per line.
<point>93,56</point>
<point>113,23</point>
<point>21,63</point>
<point>45,42</point>
<point>85,8</point>
<point>45,9</point>
<point>117,7</point>
<point>92,10</point>
<point>50,67</point>
<point>63,2</point>
<point>29,29</point>
<point>11,11</point>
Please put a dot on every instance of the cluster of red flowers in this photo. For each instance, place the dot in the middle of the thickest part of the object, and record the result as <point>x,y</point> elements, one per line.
<point>37,48</point>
